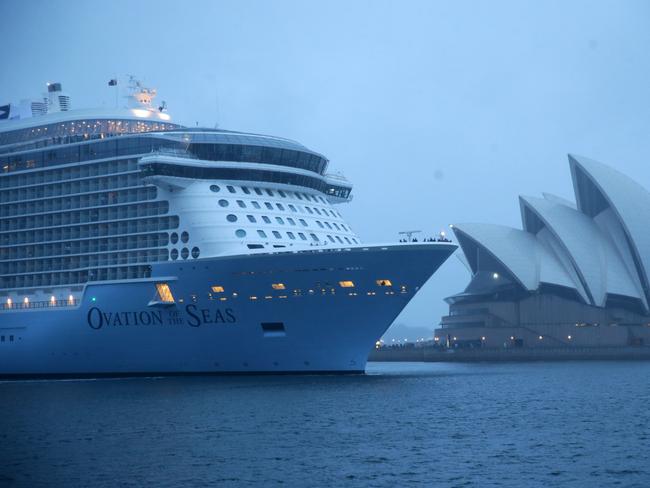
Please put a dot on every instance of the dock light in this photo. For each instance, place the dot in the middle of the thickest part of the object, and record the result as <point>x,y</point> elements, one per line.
<point>495,276</point>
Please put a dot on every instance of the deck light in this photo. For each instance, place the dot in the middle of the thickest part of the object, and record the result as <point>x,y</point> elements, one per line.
<point>495,276</point>
<point>217,289</point>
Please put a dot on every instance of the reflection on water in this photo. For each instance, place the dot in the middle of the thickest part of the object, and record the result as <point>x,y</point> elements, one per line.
<point>508,425</point>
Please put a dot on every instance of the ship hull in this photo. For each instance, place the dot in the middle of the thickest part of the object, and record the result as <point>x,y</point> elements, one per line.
<point>311,325</point>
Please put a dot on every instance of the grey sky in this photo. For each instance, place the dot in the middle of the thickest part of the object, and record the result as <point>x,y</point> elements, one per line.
<point>438,112</point>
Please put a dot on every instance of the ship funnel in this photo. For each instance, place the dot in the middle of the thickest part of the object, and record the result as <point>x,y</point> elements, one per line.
<point>57,101</point>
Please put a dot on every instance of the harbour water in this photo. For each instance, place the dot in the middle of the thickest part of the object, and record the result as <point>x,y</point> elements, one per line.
<point>402,424</point>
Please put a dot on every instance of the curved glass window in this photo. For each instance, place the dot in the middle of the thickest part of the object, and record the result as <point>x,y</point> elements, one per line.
<point>231,189</point>
<point>223,203</point>
<point>314,237</point>
<point>292,208</point>
<point>339,239</point>
<point>246,190</point>
<point>327,224</point>
<point>173,238</point>
<point>185,236</point>
<point>185,253</point>
<point>195,252</point>
<point>240,233</point>
<point>231,218</point>
<point>251,218</point>
<point>258,191</point>
<point>347,239</point>
<point>282,194</point>
<point>277,234</point>
<point>209,173</point>
<point>266,219</point>
<point>291,221</point>
<point>309,210</point>
<point>330,238</point>
<point>280,206</point>
<point>269,192</point>
<point>279,220</point>
<point>261,233</point>
<point>302,236</point>
<point>320,224</point>
<point>291,235</point>
<point>302,221</point>
<point>268,205</point>
<point>174,254</point>
<point>241,204</point>
<point>215,188</point>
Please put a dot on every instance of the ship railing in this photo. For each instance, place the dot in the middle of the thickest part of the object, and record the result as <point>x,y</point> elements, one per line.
<point>40,304</point>
<point>173,151</point>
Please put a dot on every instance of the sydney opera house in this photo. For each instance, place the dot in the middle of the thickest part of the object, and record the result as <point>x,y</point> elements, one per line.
<point>576,274</point>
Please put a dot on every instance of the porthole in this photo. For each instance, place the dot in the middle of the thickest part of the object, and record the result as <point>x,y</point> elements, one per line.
<point>174,254</point>
<point>173,238</point>
<point>185,253</point>
<point>231,218</point>
<point>185,236</point>
<point>240,233</point>
<point>215,188</point>
<point>223,202</point>
<point>195,252</point>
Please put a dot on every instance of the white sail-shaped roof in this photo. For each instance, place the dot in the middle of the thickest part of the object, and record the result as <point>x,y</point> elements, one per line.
<point>599,187</point>
<point>528,260</point>
<point>592,254</point>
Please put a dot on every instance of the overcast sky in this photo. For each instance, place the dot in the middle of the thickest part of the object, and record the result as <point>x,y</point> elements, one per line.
<point>438,112</point>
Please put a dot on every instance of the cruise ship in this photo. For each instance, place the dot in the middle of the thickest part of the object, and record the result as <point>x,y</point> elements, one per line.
<point>133,245</point>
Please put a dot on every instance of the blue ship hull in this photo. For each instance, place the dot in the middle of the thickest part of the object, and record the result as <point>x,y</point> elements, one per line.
<point>313,325</point>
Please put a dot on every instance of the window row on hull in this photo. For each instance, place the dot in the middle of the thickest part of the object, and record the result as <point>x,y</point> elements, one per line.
<point>86,200</point>
<point>207,173</point>
<point>72,217</point>
<point>69,263</point>
<point>84,246</point>
<point>75,277</point>
<point>100,229</point>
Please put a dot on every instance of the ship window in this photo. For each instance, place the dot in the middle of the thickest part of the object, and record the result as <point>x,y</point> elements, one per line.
<point>255,246</point>
<point>164,293</point>
<point>185,253</point>
<point>302,221</point>
<point>348,240</point>
<point>195,252</point>
<point>268,205</point>
<point>314,237</point>
<point>317,211</point>
<point>330,238</point>
<point>336,226</point>
<point>280,206</point>
<point>231,218</point>
<point>246,190</point>
<point>223,202</point>
<point>279,220</point>
<point>278,286</point>
<point>298,196</point>
<point>384,283</point>
<point>231,189</point>
<point>251,218</point>
<point>327,224</point>
<point>282,194</point>
<point>291,235</point>
<point>346,284</point>
<point>269,192</point>
<point>241,204</point>
<point>258,191</point>
<point>309,210</point>
<point>339,239</point>
<point>261,233</point>
<point>266,219</point>
<point>185,236</point>
<point>174,254</point>
<point>217,289</point>
<point>292,208</point>
<point>215,188</point>
<point>302,236</point>
<point>255,204</point>
<point>319,224</point>
<point>240,233</point>
<point>174,238</point>
<point>277,234</point>
<point>291,221</point>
